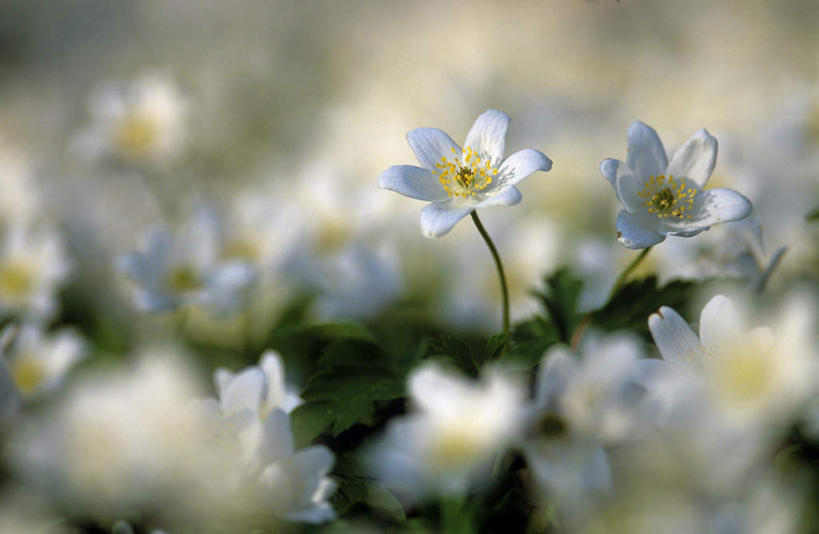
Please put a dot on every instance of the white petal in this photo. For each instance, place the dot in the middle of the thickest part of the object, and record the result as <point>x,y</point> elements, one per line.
<point>612,169</point>
<point>277,437</point>
<point>646,155</point>
<point>676,340</point>
<point>718,206</point>
<point>556,370</point>
<point>628,187</point>
<point>244,392</point>
<point>523,163</point>
<point>634,231</point>
<point>438,219</point>
<point>277,394</point>
<point>719,323</point>
<point>432,144</point>
<point>508,197</point>
<point>413,182</point>
<point>695,160</point>
<point>432,389</point>
<point>222,377</point>
<point>488,135</point>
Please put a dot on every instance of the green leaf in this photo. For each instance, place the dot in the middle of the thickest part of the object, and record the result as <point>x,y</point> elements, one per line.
<point>337,331</point>
<point>497,345</point>
<point>351,377</point>
<point>455,349</point>
<point>813,215</point>
<point>560,300</point>
<point>636,300</point>
<point>311,419</point>
<point>357,489</point>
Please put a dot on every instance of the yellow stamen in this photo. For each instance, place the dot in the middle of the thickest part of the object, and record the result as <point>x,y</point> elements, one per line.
<point>666,197</point>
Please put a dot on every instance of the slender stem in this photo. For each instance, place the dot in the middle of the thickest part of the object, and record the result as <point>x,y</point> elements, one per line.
<point>499,265</point>
<point>627,271</point>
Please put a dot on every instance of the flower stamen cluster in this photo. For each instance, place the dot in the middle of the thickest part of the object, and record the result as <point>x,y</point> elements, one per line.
<point>666,197</point>
<point>462,179</point>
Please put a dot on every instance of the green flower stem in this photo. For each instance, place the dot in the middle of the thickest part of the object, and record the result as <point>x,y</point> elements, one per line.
<point>499,265</point>
<point>627,271</point>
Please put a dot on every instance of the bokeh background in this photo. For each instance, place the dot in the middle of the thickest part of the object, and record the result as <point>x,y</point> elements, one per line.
<point>302,104</point>
<point>260,128</point>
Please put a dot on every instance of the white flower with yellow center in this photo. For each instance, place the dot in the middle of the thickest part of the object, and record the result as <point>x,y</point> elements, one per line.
<point>143,121</point>
<point>38,363</point>
<point>662,198</point>
<point>32,265</point>
<point>457,428</point>
<point>458,181</point>
<point>759,375</point>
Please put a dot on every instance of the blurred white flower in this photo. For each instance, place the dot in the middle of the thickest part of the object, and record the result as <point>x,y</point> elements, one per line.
<point>260,388</point>
<point>458,181</point>
<point>120,441</point>
<point>662,198</point>
<point>32,266</point>
<point>251,418</point>
<point>138,122</point>
<point>173,271</point>
<point>38,362</point>
<point>455,430</point>
<point>756,376</point>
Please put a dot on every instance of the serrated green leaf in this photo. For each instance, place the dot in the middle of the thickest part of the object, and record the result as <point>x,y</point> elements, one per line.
<point>636,300</point>
<point>560,300</point>
<point>497,345</point>
<point>309,420</point>
<point>455,349</point>
<point>337,331</point>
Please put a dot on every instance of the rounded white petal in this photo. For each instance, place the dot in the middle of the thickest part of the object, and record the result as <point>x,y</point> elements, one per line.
<point>675,340</point>
<point>719,323</point>
<point>244,392</point>
<point>430,145</point>
<point>438,219</point>
<point>646,155</point>
<point>695,160</point>
<point>636,231</point>
<point>611,169</point>
<point>488,135</point>
<point>718,206</point>
<point>628,187</point>
<point>556,369</point>
<point>507,197</point>
<point>522,163</point>
<point>413,182</point>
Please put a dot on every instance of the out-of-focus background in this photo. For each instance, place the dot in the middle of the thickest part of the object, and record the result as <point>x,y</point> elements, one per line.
<point>277,117</point>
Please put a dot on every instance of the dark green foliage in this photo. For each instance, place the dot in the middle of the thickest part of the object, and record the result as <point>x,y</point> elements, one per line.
<point>560,300</point>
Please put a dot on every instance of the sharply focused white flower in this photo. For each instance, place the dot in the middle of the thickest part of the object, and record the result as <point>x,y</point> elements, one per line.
<point>38,363</point>
<point>143,121</point>
<point>757,376</point>
<point>662,198</point>
<point>32,265</point>
<point>456,429</point>
<point>458,181</point>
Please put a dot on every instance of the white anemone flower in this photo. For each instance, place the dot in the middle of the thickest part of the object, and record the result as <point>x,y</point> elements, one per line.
<point>38,362</point>
<point>33,263</point>
<point>251,418</point>
<point>458,180</point>
<point>759,375</point>
<point>661,198</point>
<point>456,429</point>
<point>142,121</point>
<point>176,270</point>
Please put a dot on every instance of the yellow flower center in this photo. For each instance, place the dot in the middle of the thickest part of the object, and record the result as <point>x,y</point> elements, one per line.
<point>28,373</point>
<point>666,197</point>
<point>183,278</point>
<point>465,179</point>
<point>136,134</point>
<point>744,373</point>
<point>16,279</point>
